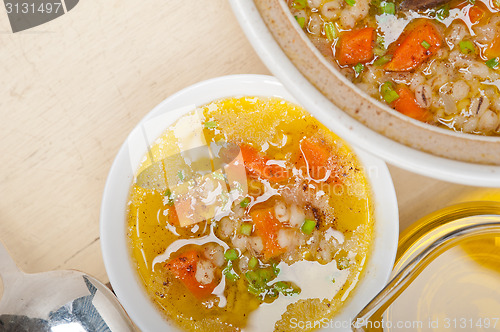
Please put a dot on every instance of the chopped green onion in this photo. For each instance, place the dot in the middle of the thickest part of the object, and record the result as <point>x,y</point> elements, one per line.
<point>254,290</point>
<point>276,270</point>
<point>350,2</point>
<point>391,96</point>
<point>492,63</point>
<point>244,203</point>
<point>266,274</point>
<point>473,2</point>
<point>286,288</point>
<point>467,47</point>
<point>280,286</point>
<point>299,4</point>
<point>252,277</point>
<point>496,3</point>
<point>210,124</point>
<point>381,41</point>
<point>168,194</point>
<point>387,86</point>
<point>383,60</point>
<point>180,174</point>
<point>252,263</point>
<point>231,254</point>
<point>425,44</point>
<point>343,263</point>
<point>254,283</point>
<point>358,68</point>
<point>258,281</point>
<point>229,273</point>
<point>443,12</point>
<point>246,228</point>
<point>388,92</point>
<point>231,276</point>
<point>301,21</point>
<point>308,226</point>
<point>379,50</point>
<point>333,280</point>
<point>330,31</point>
<point>388,8</point>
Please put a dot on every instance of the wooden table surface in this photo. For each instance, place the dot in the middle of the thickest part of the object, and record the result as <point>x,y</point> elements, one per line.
<point>72,89</point>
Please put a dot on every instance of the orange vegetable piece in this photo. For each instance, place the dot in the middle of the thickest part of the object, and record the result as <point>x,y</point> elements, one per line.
<point>493,50</point>
<point>315,152</point>
<point>356,46</point>
<point>256,163</point>
<point>267,227</point>
<point>185,212</point>
<point>475,14</point>
<point>184,268</point>
<point>173,218</point>
<point>407,105</point>
<point>409,52</point>
<point>318,158</point>
<point>479,11</point>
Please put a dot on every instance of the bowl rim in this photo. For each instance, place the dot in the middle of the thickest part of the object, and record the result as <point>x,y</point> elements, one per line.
<point>350,129</point>
<point>115,251</point>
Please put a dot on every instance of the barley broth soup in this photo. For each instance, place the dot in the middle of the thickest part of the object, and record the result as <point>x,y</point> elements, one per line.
<point>434,61</point>
<point>277,232</point>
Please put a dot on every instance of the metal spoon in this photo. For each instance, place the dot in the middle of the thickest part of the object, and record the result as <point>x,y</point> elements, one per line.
<point>56,301</point>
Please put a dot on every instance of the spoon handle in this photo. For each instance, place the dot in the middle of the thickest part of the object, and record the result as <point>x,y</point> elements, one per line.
<point>7,265</point>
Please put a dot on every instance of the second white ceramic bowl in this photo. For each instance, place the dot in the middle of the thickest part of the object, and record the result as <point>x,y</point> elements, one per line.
<point>355,132</point>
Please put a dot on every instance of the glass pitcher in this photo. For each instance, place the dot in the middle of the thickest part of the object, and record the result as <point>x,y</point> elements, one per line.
<point>446,276</point>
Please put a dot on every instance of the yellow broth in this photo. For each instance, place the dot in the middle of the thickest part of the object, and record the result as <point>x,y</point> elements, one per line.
<point>323,267</point>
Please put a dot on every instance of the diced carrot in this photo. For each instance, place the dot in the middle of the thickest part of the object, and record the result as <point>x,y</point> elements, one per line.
<point>184,268</point>
<point>185,211</point>
<point>475,14</point>
<point>315,152</point>
<point>472,13</point>
<point>407,105</point>
<point>318,159</point>
<point>415,45</point>
<point>493,49</point>
<point>267,228</point>
<point>257,164</point>
<point>172,217</point>
<point>356,46</point>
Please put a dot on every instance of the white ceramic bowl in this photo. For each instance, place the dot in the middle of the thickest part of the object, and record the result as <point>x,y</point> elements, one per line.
<point>352,130</point>
<point>119,266</point>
